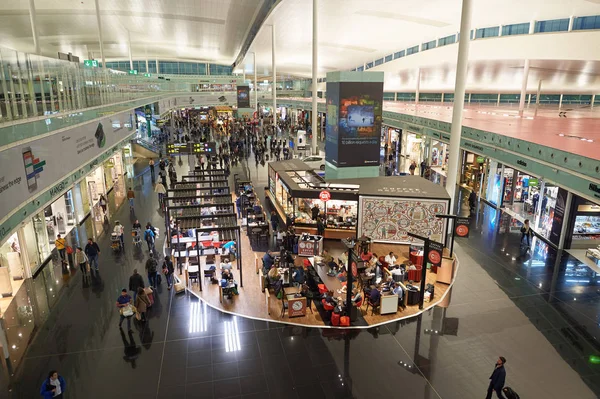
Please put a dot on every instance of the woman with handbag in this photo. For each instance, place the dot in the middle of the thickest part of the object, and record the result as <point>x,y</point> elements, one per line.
<point>126,309</point>
<point>141,304</point>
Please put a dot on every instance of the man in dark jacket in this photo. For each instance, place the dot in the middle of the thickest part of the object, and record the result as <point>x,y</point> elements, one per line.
<point>92,251</point>
<point>170,269</point>
<point>135,281</point>
<point>151,267</point>
<point>497,379</point>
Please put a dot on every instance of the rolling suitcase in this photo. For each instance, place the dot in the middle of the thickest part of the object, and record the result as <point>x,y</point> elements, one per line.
<point>509,393</point>
<point>179,287</point>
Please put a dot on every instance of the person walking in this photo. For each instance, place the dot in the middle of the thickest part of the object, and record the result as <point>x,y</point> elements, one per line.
<point>274,221</point>
<point>135,281</point>
<point>61,246</point>
<point>141,303</point>
<point>130,197</point>
<point>423,167</point>
<point>412,167</point>
<point>160,189</point>
<point>497,379</point>
<point>102,202</point>
<point>92,250</point>
<point>125,309</point>
<point>81,259</point>
<point>119,231</point>
<point>149,238</point>
<point>168,270</point>
<point>151,163</point>
<point>54,386</point>
<point>526,234</point>
<point>151,268</point>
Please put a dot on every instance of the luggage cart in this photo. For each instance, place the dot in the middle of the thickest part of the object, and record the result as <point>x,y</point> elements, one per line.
<point>115,242</point>
<point>136,235</point>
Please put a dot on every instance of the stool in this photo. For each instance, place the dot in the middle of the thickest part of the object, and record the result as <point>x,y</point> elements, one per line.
<point>335,319</point>
<point>322,289</point>
<point>344,321</point>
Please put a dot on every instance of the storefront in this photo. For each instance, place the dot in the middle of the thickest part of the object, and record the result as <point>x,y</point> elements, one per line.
<point>584,224</point>
<point>296,192</point>
<point>474,172</point>
<point>412,149</point>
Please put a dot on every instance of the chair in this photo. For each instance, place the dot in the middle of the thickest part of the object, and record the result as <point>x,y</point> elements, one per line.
<point>322,289</point>
<point>264,237</point>
<point>335,319</point>
<point>328,308</point>
<point>194,276</point>
<point>374,306</point>
<point>284,305</point>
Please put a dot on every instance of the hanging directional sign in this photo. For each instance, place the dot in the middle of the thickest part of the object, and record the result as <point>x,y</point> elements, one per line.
<point>147,75</point>
<point>133,72</point>
<point>90,63</point>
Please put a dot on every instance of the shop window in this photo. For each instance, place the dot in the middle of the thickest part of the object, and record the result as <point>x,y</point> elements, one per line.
<point>584,23</point>
<point>11,266</point>
<point>487,32</point>
<point>399,54</point>
<point>555,25</point>
<point>444,41</point>
<point>515,29</point>
<point>412,50</point>
<point>428,45</point>
<point>42,236</point>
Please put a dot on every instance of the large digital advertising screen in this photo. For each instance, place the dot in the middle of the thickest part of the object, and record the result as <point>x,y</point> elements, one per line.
<point>331,128</point>
<point>243,97</point>
<point>360,113</point>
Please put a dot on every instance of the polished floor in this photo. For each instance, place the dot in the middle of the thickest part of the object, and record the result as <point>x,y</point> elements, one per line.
<point>540,311</point>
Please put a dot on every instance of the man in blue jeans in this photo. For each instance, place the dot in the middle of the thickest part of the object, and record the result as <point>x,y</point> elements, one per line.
<point>151,268</point>
<point>92,251</point>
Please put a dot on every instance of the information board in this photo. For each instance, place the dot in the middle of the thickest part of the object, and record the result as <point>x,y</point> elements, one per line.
<point>208,148</point>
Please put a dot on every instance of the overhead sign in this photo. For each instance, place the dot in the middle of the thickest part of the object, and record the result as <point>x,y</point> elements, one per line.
<point>90,63</point>
<point>147,75</point>
<point>28,170</point>
<point>208,148</point>
<point>133,72</point>
<point>324,195</point>
<point>533,182</point>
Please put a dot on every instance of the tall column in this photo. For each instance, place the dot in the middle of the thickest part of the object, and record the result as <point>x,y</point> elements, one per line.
<point>498,101</point>
<point>459,101</point>
<point>418,88</point>
<point>34,31</point>
<point>593,99</point>
<point>255,84</point>
<point>537,97</point>
<point>524,88</point>
<point>315,64</point>
<point>129,46</point>
<point>147,69</point>
<point>532,27</point>
<point>560,102</point>
<point>566,216</point>
<point>100,39</point>
<point>157,69</point>
<point>274,76</point>
<point>571,20</point>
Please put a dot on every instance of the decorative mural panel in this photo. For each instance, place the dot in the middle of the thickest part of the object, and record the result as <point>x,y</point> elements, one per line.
<point>387,219</point>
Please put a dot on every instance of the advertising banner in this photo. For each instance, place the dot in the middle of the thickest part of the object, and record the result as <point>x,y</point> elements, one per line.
<point>461,227</point>
<point>29,169</point>
<point>243,97</point>
<point>559,214</point>
<point>360,108</point>
<point>332,128</point>
<point>434,255</point>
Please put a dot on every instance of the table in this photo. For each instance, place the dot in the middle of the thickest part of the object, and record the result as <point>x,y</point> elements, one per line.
<point>332,283</point>
<point>388,304</point>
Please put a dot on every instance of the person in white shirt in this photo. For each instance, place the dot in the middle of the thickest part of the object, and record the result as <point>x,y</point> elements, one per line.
<point>159,188</point>
<point>390,259</point>
<point>118,230</point>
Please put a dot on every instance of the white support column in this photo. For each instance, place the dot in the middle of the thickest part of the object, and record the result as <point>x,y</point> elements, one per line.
<point>593,99</point>
<point>129,47</point>
<point>498,101</point>
<point>566,216</point>
<point>537,97</point>
<point>396,96</point>
<point>532,27</point>
<point>34,31</point>
<point>207,68</point>
<point>100,40</point>
<point>315,64</point>
<point>255,85</point>
<point>418,88</point>
<point>157,66</point>
<point>442,97</point>
<point>147,69</point>
<point>274,68</point>
<point>469,98</point>
<point>459,101</point>
<point>524,88</point>
<point>571,20</point>
<point>560,102</point>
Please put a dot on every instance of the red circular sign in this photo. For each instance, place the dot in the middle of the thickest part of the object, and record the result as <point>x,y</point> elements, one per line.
<point>354,269</point>
<point>324,195</point>
<point>462,230</point>
<point>434,257</point>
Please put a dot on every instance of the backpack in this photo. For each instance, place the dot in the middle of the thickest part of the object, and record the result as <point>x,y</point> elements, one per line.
<point>152,265</point>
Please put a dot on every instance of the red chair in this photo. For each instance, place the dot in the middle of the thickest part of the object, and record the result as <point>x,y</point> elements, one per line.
<point>359,303</point>
<point>335,319</point>
<point>306,263</point>
<point>326,306</point>
<point>344,321</point>
<point>322,289</point>
<point>415,275</point>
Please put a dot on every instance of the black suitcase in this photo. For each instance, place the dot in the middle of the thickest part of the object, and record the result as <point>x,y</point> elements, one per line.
<point>509,393</point>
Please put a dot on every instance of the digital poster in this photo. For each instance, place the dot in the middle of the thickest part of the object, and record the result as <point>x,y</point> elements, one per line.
<point>243,97</point>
